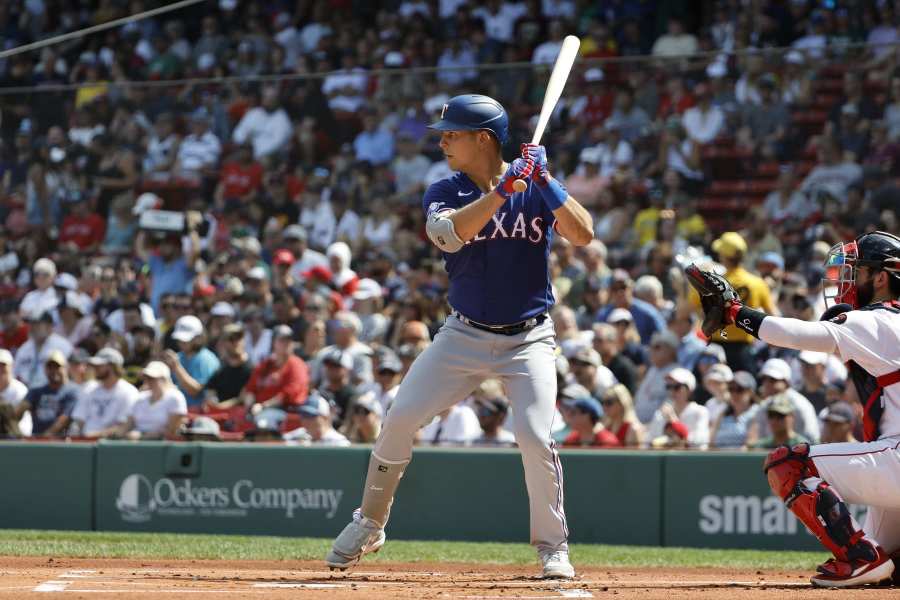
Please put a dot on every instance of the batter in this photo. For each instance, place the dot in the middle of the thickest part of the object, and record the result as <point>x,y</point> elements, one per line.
<point>495,244</point>
<point>816,481</point>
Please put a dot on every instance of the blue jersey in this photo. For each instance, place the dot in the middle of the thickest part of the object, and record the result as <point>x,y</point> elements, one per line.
<point>501,275</point>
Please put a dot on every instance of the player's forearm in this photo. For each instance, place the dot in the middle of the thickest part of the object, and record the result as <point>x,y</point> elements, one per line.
<point>796,334</point>
<point>574,222</point>
<point>470,219</point>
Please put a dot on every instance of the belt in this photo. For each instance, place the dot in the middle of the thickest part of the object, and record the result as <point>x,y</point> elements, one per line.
<point>513,329</point>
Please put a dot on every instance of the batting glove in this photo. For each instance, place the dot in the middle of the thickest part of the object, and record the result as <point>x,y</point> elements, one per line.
<point>521,168</point>
<point>553,193</point>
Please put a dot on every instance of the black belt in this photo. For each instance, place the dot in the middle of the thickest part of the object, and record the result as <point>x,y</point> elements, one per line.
<point>513,329</point>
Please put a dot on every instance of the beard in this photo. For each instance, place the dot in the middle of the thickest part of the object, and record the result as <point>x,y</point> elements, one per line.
<point>864,293</point>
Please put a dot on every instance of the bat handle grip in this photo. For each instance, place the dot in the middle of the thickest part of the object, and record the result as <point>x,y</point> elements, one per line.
<point>520,185</point>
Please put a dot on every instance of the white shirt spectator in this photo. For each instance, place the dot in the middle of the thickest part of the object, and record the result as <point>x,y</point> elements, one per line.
<point>36,302</point>
<point>812,45</point>
<point>694,416</point>
<point>331,437</point>
<point>501,25</point>
<point>259,351</point>
<point>452,63</point>
<point>675,45</point>
<point>199,152</point>
<point>409,8</point>
<point>307,261</point>
<point>881,38</point>
<point>29,367</point>
<point>311,34</point>
<point>153,417</point>
<point>834,179</point>
<point>746,92</point>
<point>116,319</point>
<point>409,172</point>
<point>377,233</point>
<point>651,393</point>
<point>267,131</point>
<point>546,53</point>
<point>437,171</point>
<point>612,158</point>
<point>703,126</point>
<point>159,153</point>
<point>558,9</point>
<point>104,407</point>
<point>13,395</point>
<point>447,8</point>
<point>460,426</point>
<point>345,89</point>
<point>797,207</point>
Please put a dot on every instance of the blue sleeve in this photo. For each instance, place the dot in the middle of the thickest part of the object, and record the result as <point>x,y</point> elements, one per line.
<point>69,400</point>
<point>154,263</point>
<point>207,369</point>
<point>442,195</point>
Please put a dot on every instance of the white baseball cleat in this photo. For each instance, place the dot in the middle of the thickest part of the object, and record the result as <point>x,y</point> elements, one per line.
<point>555,565</point>
<point>360,537</point>
<point>840,574</point>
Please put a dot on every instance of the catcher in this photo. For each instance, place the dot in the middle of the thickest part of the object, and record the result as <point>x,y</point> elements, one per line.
<point>863,328</point>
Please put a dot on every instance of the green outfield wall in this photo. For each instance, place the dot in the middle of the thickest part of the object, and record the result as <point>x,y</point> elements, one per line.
<point>715,500</point>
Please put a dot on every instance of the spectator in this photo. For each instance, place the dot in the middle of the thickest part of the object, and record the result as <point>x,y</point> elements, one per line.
<point>629,338</point>
<point>346,329</point>
<point>675,42</point>
<point>779,412</point>
<point>12,394</point>
<point>765,124</point>
<point>194,364</point>
<point>336,384</point>
<point>200,429</point>
<point>387,380</point>
<point>374,144</point>
<point>683,323</point>
<point>585,420</point>
<point>365,419</point>
<point>832,175</point>
<point>162,147</point>
<point>343,278</point>
<point>31,357</point>
<point>44,296</point>
<point>716,381</point>
<point>266,126</point>
<point>170,271</point>
<point>652,391</point>
<point>315,419</point>
<point>50,406</point>
<point>81,372</point>
<point>785,202</point>
<point>590,372</point>
<point>130,304</point>
<point>457,63</point>
<point>281,380</point>
<point>82,230</point>
<point>839,421</point>
<point>74,322</point>
<point>458,425</point>
<point>606,344</point>
<point>729,429</point>
<point>159,410</point>
<point>223,390</point>
<point>647,318</point>
<point>680,409</point>
<point>704,121</point>
<point>199,152</point>
<point>13,329</point>
<point>101,411</point>
<point>619,416</point>
<point>815,382</point>
<point>775,378</point>
<point>627,120</point>
<point>240,179</point>
<point>546,52</point>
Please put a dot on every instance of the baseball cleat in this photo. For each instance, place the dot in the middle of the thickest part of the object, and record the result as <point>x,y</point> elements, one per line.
<point>556,565</point>
<point>360,537</point>
<point>839,574</point>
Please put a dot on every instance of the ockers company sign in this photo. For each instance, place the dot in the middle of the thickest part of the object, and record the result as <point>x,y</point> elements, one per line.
<point>139,499</point>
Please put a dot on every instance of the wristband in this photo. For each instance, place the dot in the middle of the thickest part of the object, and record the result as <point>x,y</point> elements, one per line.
<point>553,193</point>
<point>749,320</point>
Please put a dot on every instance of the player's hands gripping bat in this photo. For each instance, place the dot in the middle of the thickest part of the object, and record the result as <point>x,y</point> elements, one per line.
<point>521,168</point>
<point>720,301</point>
<point>552,191</point>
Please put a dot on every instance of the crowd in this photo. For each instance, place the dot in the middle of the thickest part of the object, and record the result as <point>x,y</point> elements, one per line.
<point>296,286</point>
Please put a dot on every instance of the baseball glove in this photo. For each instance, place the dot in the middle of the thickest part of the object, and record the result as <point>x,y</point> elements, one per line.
<point>719,299</point>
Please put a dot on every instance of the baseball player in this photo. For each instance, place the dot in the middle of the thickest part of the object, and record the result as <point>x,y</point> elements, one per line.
<point>495,244</point>
<point>816,482</point>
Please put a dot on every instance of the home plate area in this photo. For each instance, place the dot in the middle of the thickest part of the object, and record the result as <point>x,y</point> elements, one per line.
<point>169,579</point>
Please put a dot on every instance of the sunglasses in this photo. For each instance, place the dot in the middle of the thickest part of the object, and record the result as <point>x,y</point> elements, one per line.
<point>674,386</point>
<point>775,415</point>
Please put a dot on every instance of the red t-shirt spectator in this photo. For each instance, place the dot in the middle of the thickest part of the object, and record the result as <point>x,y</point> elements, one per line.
<point>602,439</point>
<point>84,232</point>
<point>291,380</point>
<point>11,340</point>
<point>239,180</point>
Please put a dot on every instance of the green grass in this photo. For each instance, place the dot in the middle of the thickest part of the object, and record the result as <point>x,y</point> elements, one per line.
<point>169,545</point>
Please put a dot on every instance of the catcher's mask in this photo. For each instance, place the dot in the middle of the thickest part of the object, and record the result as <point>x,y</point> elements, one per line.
<point>877,250</point>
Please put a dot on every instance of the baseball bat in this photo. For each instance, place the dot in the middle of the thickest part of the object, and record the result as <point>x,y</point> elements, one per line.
<point>558,77</point>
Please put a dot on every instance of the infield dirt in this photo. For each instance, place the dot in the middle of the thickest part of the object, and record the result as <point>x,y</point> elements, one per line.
<point>36,577</point>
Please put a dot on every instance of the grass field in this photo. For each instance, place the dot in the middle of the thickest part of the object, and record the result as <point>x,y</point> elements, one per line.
<point>14,542</point>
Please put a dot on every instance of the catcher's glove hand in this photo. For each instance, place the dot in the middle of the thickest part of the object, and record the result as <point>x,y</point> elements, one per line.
<point>720,301</point>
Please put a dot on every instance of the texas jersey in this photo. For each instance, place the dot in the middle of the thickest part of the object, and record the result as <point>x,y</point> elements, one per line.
<point>500,276</point>
<point>871,338</point>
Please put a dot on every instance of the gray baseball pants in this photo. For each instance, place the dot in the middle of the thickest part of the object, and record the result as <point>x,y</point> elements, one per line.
<point>457,361</point>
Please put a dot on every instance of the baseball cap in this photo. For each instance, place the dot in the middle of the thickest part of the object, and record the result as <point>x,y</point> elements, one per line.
<point>586,356</point>
<point>233,329</point>
<point>201,426</point>
<point>573,391</point>
<point>40,316</point>
<point>370,403</point>
<point>270,420</point>
<point>665,337</point>
<point>283,257</point>
<point>730,245</point>
<point>222,309</point>
<point>780,404</point>
<point>256,273</point>
<point>684,377</point>
<point>839,412</point>
<point>55,357</point>
<point>776,369</point>
<point>618,315</point>
<point>187,328</point>
<point>346,319</point>
<point>772,258</point>
<point>294,232</point>
<point>282,331</point>
<point>679,429</point>
<point>491,406</point>
<point>66,281</point>
<point>716,70</point>
<point>813,358</point>
<point>366,289</point>
<point>315,406</point>
<point>339,358</point>
<point>390,363</point>
<point>157,370</point>
<point>593,74</point>
<point>6,357</point>
<point>744,380</point>
<point>107,356</point>
<point>712,353</point>
<point>589,405</point>
<point>79,356</point>
<point>44,265</point>
<point>719,372</point>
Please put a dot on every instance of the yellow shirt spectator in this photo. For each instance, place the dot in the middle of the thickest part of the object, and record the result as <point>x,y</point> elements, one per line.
<point>644,226</point>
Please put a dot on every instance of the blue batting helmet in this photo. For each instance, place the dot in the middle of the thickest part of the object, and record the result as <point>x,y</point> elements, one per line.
<point>473,112</point>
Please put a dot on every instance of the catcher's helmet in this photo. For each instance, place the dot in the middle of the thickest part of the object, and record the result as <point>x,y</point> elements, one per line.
<point>878,250</point>
<point>473,112</point>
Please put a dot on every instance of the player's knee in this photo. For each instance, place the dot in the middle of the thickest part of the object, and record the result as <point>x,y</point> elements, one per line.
<point>526,438</point>
<point>786,466</point>
<point>402,420</point>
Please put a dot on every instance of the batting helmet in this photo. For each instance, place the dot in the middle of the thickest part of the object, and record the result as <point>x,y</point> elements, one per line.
<point>473,112</point>
<point>878,250</point>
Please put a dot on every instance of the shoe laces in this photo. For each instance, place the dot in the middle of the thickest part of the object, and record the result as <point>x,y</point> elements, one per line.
<point>556,556</point>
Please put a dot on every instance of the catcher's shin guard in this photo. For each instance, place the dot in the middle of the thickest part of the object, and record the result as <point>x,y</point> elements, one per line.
<point>794,478</point>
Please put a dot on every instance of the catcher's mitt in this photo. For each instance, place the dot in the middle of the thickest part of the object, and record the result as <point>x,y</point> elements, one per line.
<point>720,301</point>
